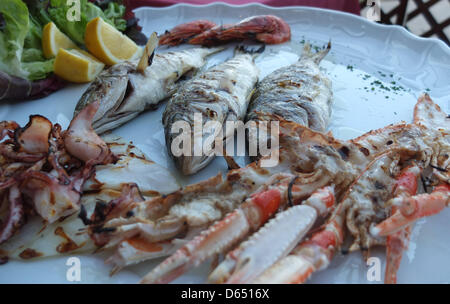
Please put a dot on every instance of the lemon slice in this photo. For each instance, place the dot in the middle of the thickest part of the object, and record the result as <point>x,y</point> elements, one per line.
<point>53,39</point>
<point>77,65</point>
<point>108,44</point>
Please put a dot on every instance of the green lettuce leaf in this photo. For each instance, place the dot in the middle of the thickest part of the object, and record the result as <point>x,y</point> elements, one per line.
<point>115,12</point>
<point>15,21</point>
<point>21,31</point>
<point>33,59</point>
<point>59,10</point>
<point>20,43</point>
<point>38,69</point>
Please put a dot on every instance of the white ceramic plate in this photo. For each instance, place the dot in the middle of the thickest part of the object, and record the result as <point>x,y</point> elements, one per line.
<point>364,55</point>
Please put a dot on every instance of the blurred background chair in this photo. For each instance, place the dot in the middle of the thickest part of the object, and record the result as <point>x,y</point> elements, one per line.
<point>426,18</point>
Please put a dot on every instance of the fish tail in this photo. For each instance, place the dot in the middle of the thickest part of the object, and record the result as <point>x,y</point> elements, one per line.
<point>241,49</point>
<point>318,56</point>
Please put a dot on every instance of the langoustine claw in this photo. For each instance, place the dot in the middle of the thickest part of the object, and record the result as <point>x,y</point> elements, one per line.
<point>249,217</point>
<point>274,240</point>
<point>412,208</point>
<point>309,256</point>
<point>219,237</point>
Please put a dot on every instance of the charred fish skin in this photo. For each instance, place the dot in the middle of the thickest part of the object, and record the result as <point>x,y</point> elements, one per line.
<point>124,92</point>
<point>299,93</point>
<point>109,87</point>
<point>220,94</point>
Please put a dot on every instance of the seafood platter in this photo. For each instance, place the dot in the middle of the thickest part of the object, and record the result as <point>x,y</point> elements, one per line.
<point>355,116</point>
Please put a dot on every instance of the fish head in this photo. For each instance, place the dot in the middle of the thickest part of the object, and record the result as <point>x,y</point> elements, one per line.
<point>189,165</point>
<point>192,147</point>
<point>111,88</point>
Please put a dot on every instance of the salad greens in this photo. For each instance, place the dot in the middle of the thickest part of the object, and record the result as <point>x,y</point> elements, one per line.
<point>16,30</point>
<point>115,13</point>
<point>33,59</point>
<point>21,24</point>
<point>57,11</point>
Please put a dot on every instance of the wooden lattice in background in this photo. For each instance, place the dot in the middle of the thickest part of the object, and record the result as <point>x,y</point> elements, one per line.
<point>410,13</point>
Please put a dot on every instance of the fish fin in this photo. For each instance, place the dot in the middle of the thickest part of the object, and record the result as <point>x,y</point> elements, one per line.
<point>316,57</point>
<point>149,52</point>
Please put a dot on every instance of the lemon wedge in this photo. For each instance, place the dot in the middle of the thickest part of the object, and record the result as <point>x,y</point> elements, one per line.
<point>108,44</point>
<point>53,39</point>
<point>76,65</point>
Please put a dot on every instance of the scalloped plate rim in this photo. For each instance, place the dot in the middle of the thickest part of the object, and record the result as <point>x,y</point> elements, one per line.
<point>399,28</point>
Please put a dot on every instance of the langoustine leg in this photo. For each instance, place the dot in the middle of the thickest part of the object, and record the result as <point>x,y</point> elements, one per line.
<point>165,223</point>
<point>309,256</point>
<point>274,240</point>
<point>315,254</point>
<point>249,217</point>
<point>396,243</point>
<point>413,208</point>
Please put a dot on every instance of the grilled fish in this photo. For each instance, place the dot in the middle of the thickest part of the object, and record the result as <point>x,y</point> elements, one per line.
<point>124,92</point>
<point>219,94</point>
<point>299,92</point>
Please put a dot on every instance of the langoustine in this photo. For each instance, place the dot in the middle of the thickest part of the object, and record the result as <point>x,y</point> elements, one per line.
<point>166,221</point>
<point>268,29</point>
<point>371,206</point>
<point>362,171</point>
<point>183,32</point>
